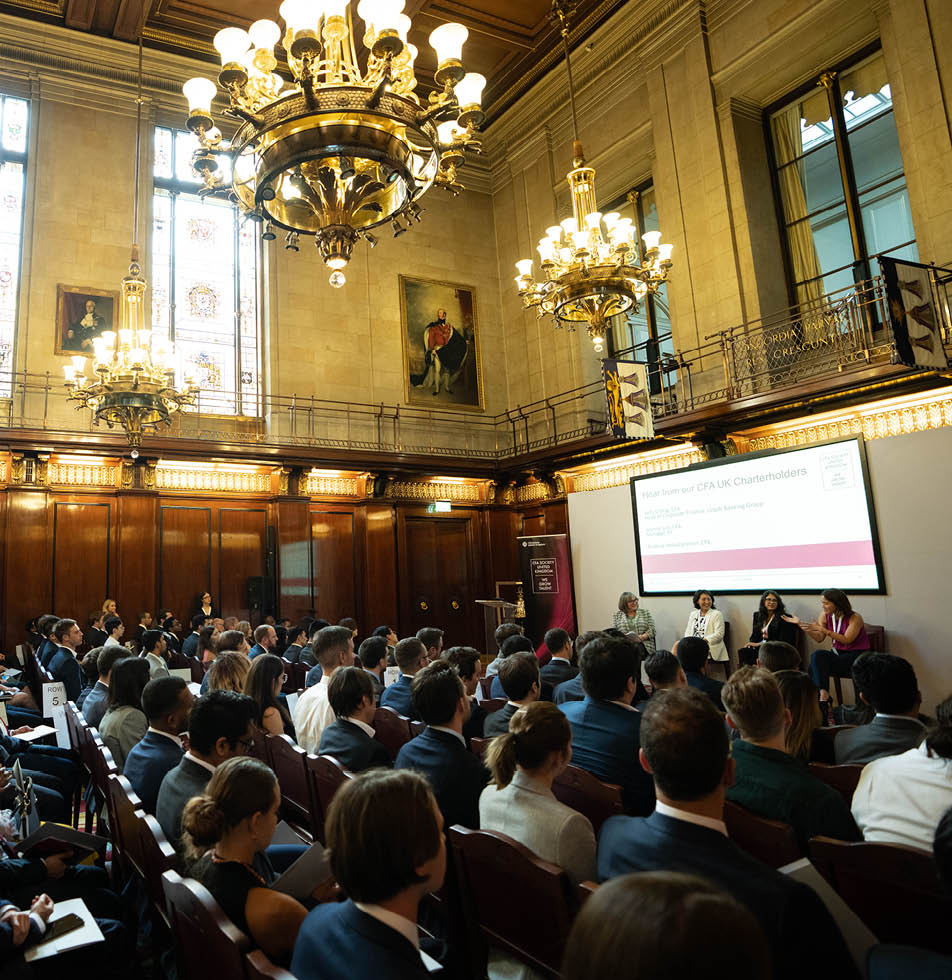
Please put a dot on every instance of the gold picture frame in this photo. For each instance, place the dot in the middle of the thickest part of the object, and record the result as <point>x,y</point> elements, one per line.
<point>76,324</point>
<point>453,380</point>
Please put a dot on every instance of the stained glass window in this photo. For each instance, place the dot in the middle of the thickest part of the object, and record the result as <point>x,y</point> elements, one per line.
<point>204,282</point>
<point>13,133</point>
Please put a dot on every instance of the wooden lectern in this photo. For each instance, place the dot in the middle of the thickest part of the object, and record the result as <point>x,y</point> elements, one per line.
<point>496,611</point>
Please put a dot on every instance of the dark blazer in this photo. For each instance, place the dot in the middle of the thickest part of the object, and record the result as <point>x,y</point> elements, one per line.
<point>352,747</point>
<point>377,683</point>
<point>456,775</point>
<point>65,667</point>
<point>46,652</point>
<point>147,763</point>
<point>779,629</point>
<point>397,696</point>
<point>882,736</point>
<point>605,742</point>
<point>190,645</point>
<point>801,933</point>
<point>557,671</point>
<point>306,656</point>
<point>180,784</point>
<point>571,690</point>
<point>497,722</point>
<point>337,941</point>
<point>292,653</point>
<point>474,728</point>
<point>708,685</point>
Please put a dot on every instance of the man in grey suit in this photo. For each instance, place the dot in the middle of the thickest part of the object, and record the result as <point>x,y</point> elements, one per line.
<point>519,676</point>
<point>888,685</point>
<point>221,725</point>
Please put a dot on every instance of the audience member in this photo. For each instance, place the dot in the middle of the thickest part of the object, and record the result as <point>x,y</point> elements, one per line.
<point>96,702</point>
<point>469,666</point>
<point>684,746</point>
<point>145,623</point>
<point>768,780</point>
<point>572,690</point>
<point>502,633</point>
<point>265,641</point>
<point>439,751</point>
<point>777,655</point>
<point>88,665</point>
<point>334,648</point>
<point>166,703</point>
<point>512,644</point>
<point>373,659</point>
<point>520,679</point>
<point>432,638</point>
<point>659,925</point>
<point>560,668</point>
<point>387,851</point>
<point>53,770</point>
<point>25,701</point>
<point>115,629</point>
<point>307,653</point>
<point>207,648</point>
<point>153,651</point>
<point>63,665</point>
<point>411,656</point>
<point>390,635</point>
<point>298,637</point>
<point>888,685</point>
<point>693,653</point>
<point>263,685</point>
<point>664,670</point>
<point>800,698</point>
<point>524,763</point>
<point>190,646</point>
<point>605,726</point>
<point>124,722</point>
<point>350,739</point>
<point>95,634</point>
<point>220,726</point>
<point>228,672</point>
<point>901,798</point>
<point>233,641</point>
<point>225,832</point>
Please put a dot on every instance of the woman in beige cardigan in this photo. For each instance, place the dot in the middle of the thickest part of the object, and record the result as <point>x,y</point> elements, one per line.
<point>708,622</point>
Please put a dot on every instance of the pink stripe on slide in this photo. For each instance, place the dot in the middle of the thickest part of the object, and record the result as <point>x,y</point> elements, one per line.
<point>784,556</point>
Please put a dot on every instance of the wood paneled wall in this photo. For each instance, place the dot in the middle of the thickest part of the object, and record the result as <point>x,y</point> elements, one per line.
<point>383,562</point>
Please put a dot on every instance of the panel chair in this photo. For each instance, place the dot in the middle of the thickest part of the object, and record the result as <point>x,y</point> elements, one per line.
<point>391,729</point>
<point>877,644</point>
<point>893,888</point>
<point>770,841</point>
<point>588,794</point>
<point>205,938</point>
<point>521,904</point>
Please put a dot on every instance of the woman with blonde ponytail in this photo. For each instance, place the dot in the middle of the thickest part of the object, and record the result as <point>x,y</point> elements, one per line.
<point>520,803</point>
<point>225,832</point>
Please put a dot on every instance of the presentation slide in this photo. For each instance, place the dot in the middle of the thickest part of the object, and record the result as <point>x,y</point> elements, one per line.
<point>797,520</point>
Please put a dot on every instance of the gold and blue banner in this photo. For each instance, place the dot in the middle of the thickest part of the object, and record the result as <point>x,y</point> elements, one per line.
<point>629,401</point>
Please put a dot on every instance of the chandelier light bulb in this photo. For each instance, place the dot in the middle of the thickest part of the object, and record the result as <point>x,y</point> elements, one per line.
<point>337,279</point>
<point>664,253</point>
<point>199,92</point>
<point>264,34</point>
<point>555,233</point>
<point>469,91</point>
<point>611,219</point>
<point>448,132</point>
<point>231,43</point>
<point>651,239</point>
<point>593,220</point>
<point>447,41</point>
<point>300,15</point>
<point>525,267</point>
<point>569,226</point>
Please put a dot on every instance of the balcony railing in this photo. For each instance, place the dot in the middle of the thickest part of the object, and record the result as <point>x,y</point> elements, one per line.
<point>843,332</point>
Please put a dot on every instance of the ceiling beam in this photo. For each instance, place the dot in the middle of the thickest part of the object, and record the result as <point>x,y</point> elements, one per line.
<point>80,13</point>
<point>131,19</point>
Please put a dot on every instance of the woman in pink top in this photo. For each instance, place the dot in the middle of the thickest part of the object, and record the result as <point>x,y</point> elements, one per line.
<point>847,631</point>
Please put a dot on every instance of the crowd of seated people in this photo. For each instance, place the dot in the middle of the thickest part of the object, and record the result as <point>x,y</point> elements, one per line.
<point>677,751</point>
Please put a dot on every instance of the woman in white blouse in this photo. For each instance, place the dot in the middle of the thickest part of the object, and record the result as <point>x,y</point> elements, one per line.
<point>708,622</point>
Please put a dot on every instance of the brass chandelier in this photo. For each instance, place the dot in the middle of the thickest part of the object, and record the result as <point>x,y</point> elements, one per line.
<point>590,262</point>
<point>347,145</point>
<point>133,384</point>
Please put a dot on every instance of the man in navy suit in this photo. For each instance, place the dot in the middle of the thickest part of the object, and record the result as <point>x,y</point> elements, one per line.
<point>266,639</point>
<point>350,739</point>
<point>190,646</point>
<point>470,669</point>
<point>63,665</point>
<point>387,851</point>
<point>692,652</point>
<point>49,646</point>
<point>605,726</point>
<point>511,645</point>
<point>560,668</point>
<point>519,675</point>
<point>684,745</point>
<point>410,655</point>
<point>166,702</point>
<point>439,752</point>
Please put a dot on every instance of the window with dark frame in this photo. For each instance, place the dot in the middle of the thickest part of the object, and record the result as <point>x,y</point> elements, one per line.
<point>839,179</point>
<point>14,119</point>
<point>204,282</point>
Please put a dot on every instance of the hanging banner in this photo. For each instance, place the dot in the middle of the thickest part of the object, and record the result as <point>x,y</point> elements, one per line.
<point>546,569</point>
<point>629,402</point>
<point>913,313</point>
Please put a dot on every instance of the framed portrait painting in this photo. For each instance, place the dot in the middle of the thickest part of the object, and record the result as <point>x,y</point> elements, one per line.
<point>441,359</point>
<point>82,314</point>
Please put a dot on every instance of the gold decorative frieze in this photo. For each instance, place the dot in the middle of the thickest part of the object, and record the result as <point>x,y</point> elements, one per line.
<point>319,485</point>
<point>62,474</point>
<point>216,480</point>
<point>605,476</point>
<point>456,492</point>
<point>533,492</point>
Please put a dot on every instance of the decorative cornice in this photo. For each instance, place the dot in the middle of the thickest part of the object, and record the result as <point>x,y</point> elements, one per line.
<point>430,491</point>
<point>739,106</point>
<point>533,492</point>
<point>603,478</point>
<point>331,486</point>
<point>83,474</point>
<point>218,481</point>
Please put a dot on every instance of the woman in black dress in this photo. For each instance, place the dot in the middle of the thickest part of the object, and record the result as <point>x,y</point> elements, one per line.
<point>768,624</point>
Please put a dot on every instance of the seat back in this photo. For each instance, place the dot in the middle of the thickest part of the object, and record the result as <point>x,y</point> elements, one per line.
<point>259,967</point>
<point>822,748</point>
<point>197,668</point>
<point>261,749</point>
<point>328,776</point>
<point>125,812</point>
<point>893,888</point>
<point>157,856</point>
<point>588,794</point>
<point>205,937</point>
<point>486,686</point>
<point>289,675</point>
<point>494,704</point>
<point>522,904</point>
<point>300,675</point>
<point>478,746</point>
<point>287,760</point>
<point>103,767</point>
<point>770,841</point>
<point>584,891</point>
<point>391,729</point>
<point>842,778</point>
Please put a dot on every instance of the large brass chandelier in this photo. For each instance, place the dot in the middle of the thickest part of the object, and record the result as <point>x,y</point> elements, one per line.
<point>347,145</point>
<point>133,384</point>
<point>590,262</point>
